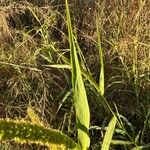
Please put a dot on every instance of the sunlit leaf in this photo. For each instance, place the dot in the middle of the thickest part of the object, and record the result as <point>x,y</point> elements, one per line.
<point>109,133</point>
<point>79,93</point>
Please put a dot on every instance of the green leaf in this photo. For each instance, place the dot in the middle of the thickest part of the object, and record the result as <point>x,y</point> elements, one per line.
<point>79,93</point>
<point>146,146</point>
<point>101,78</point>
<point>121,142</point>
<point>59,66</point>
<point>109,133</point>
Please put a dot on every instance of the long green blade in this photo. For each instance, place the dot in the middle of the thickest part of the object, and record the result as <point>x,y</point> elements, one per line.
<point>80,97</point>
<point>101,78</point>
<point>109,133</point>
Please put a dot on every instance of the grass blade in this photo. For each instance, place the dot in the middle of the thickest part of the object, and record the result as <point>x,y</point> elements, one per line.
<point>101,78</point>
<point>80,97</point>
<point>121,142</point>
<point>109,133</point>
<point>146,147</point>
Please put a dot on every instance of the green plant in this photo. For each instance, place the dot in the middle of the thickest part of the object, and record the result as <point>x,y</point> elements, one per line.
<point>26,132</point>
<point>109,133</point>
<point>101,77</point>
<point>33,68</point>
<point>79,93</point>
<point>80,98</point>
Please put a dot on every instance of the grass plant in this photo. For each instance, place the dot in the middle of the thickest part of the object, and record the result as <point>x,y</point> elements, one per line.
<point>72,66</point>
<point>79,92</point>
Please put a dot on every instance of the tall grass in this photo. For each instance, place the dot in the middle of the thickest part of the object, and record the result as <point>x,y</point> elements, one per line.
<point>79,93</point>
<point>101,77</point>
<point>108,64</point>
